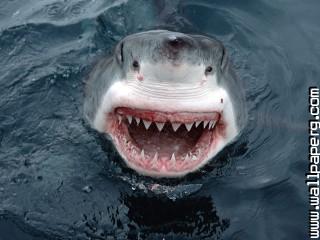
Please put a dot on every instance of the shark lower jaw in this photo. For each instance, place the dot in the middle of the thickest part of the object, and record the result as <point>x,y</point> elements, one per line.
<point>165,144</point>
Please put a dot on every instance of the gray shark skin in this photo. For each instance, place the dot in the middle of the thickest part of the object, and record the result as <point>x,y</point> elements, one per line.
<point>179,84</point>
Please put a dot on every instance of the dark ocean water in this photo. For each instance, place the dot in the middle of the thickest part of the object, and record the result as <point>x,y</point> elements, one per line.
<point>61,180</point>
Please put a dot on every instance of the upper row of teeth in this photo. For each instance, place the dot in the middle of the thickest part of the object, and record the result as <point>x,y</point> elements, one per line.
<point>175,125</point>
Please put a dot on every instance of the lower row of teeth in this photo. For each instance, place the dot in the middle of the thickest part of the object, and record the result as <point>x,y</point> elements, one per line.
<point>174,125</point>
<point>187,158</point>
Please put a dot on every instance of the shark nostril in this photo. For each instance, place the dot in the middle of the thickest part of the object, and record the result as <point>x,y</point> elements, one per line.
<point>175,42</point>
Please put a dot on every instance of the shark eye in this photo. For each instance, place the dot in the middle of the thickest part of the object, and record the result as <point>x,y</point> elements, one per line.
<point>135,65</point>
<point>209,69</point>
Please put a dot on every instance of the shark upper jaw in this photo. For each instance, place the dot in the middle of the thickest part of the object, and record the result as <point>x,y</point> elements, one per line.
<point>165,144</point>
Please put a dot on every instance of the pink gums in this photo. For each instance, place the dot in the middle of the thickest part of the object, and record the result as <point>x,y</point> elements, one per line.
<point>162,163</point>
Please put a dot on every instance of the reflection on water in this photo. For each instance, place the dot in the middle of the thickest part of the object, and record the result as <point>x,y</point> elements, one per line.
<point>49,157</point>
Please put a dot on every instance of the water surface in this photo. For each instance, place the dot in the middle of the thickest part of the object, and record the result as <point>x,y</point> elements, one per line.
<point>61,180</point>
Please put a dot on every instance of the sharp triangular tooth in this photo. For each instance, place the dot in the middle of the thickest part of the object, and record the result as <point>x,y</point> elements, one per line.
<point>142,154</point>
<point>137,120</point>
<point>188,126</point>
<point>146,124</point>
<point>205,124</point>
<point>154,160</point>
<point>173,158</point>
<point>129,119</point>
<point>198,123</point>
<point>187,158</point>
<point>120,119</point>
<point>212,123</point>
<point>194,158</point>
<point>160,126</point>
<point>173,161</point>
<point>175,126</point>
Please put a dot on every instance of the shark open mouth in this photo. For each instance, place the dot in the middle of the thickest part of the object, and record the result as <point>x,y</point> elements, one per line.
<point>164,144</point>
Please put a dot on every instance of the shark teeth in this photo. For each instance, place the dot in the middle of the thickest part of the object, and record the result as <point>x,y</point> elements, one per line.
<point>210,124</point>
<point>205,123</point>
<point>193,158</point>
<point>198,123</point>
<point>129,119</point>
<point>146,124</point>
<point>148,154</point>
<point>173,158</point>
<point>137,120</point>
<point>154,160</point>
<point>175,126</point>
<point>160,126</point>
<point>188,126</point>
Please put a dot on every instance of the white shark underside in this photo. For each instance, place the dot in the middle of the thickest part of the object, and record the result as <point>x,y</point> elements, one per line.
<point>167,100</point>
